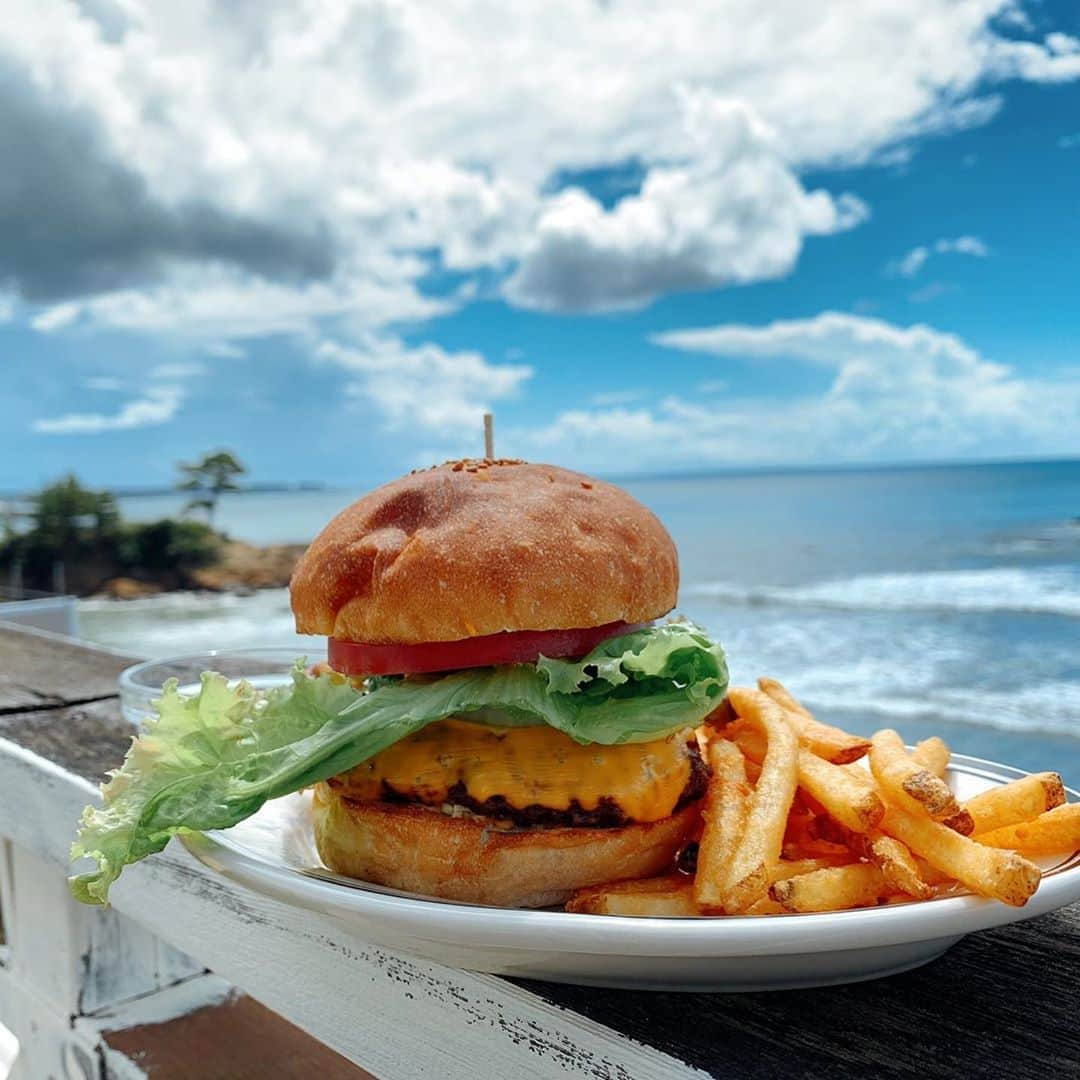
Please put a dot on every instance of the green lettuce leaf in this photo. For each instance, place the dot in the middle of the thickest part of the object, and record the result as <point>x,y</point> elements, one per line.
<point>210,760</point>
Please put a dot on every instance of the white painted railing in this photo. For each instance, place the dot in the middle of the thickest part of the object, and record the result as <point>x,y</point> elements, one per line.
<point>73,971</point>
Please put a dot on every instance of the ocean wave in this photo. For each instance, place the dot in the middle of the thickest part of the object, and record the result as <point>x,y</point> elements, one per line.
<point>1051,708</point>
<point>1049,590</point>
<point>1056,540</point>
<point>867,669</point>
<point>185,622</point>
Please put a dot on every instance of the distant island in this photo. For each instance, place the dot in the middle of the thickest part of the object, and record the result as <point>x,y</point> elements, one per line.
<point>68,538</point>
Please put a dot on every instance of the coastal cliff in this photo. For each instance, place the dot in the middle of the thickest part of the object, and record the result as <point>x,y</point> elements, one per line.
<point>237,567</point>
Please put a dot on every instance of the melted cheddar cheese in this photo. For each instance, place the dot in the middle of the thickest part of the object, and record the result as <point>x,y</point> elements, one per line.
<point>526,766</point>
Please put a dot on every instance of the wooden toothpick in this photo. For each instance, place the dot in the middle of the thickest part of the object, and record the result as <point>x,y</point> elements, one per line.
<point>489,436</point>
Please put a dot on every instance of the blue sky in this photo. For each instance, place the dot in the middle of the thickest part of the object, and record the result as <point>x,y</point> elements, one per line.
<point>646,243</point>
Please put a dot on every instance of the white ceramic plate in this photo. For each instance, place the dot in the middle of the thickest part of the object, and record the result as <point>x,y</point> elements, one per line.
<point>274,853</point>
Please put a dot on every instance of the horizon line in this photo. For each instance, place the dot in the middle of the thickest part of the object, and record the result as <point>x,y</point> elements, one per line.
<point>310,486</point>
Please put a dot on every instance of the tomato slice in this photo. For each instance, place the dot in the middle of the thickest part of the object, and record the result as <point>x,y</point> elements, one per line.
<point>509,647</point>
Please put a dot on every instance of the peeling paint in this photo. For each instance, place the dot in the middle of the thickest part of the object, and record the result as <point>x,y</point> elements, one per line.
<point>543,1042</point>
<point>160,1006</point>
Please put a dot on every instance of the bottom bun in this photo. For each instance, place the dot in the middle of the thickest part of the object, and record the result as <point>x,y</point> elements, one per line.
<point>421,850</point>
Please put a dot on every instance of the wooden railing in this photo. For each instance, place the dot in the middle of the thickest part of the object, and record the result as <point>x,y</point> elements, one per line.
<point>168,983</point>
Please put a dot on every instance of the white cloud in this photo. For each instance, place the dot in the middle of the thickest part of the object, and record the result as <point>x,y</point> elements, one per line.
<point>104,383</point>
<point>1056,60</point>
<point>425,387</point>
<point>55,317</point>
<point>831,338</point>
<point>157,406</point>
<point>178,370</point>
<point>930,292</point>
<point>156,403</point>
<point>1014,16</point>
<point>911,263</point>
<point>224,349</point>
<point>618,397</point>
<point>1069,142</point>
<point>364,141</point>
<point>588,431</point>
<point>892,393</point>
<point>216,303</point>
<point>963,245</point>
<point>953,116</point>
<point>736,214</point>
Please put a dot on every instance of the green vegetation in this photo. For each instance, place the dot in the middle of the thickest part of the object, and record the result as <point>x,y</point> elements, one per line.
<point>66,515</point>
<point>208,478</point>
<point>76,536</point>
<point>168,545</point>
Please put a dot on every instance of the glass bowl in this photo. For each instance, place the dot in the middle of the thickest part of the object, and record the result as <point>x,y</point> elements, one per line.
<point>140,685</point>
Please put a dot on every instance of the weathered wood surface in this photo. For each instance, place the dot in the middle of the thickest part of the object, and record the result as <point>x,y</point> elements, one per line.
<point>1002,1002</point>
<point>39,669</point>
<point>87,740</point>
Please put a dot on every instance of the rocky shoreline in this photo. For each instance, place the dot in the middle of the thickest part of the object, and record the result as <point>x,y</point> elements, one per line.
<point>240,567</point>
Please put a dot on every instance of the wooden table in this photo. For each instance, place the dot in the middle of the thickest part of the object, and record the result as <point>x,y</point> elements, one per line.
<point>92,992</point>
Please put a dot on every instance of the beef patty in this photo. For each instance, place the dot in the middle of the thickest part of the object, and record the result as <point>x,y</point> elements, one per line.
<point>607,814</point>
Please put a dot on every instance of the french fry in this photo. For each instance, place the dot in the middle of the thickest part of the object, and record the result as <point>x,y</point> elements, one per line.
<point>824,837</point>
<point>662,897</point>
<point>727,803</point>
<point>960,822</point>
<point>765,906</point>
<point>794,823</point>
<point>832,889</point>
<point>789,868</point>
<point>828,742</point>
<point>1015,802</point>
<point>892,858</point>
<point>1003,875</point>
<point>933,754</point>
<point>1056,831</point>
<point>804,838</point>
<point>902,870</point>
<point>721,716</point>
<point>898,866</point>
<point>932,875</point>
<point>846,794</point>
<point>905,782</point>
<point>745,878</point>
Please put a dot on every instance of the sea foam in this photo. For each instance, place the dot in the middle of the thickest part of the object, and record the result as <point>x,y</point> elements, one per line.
<point>1050,590</point>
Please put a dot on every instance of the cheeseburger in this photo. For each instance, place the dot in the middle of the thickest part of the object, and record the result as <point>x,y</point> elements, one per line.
<point>501,720</point>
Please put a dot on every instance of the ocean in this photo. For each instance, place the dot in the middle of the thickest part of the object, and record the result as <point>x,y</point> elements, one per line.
<point>933,600</point>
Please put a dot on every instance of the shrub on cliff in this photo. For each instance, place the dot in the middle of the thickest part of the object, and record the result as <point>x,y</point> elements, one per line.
<point>80,531</point>
<point>167,546</point>
<point>67,517</point>
<point>71,527</point>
